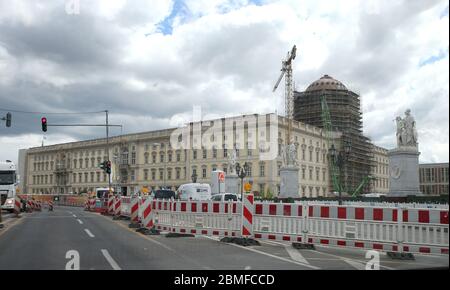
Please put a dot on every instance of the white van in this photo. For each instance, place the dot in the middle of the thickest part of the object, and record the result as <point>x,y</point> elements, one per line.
<point>225,197</point>
<point>194,191</point>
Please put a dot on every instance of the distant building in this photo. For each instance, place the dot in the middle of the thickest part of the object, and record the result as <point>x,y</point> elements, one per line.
<point>148,159</point>
<point>380,170</point>
<point>433,178</point>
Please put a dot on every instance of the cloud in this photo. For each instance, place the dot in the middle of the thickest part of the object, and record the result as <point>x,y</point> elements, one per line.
<point>149,62</point>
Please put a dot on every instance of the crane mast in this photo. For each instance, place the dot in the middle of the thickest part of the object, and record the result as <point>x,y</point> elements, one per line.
<point>286,72</point>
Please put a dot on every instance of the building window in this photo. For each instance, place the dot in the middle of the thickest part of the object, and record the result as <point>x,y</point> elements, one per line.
<point>161,158</point>
<point>146,157</point>
<point>133,175</point>
<point>145,174</point>
<point>303,154</point>
<point>92,162</point>
<point>310,174</point>
<point>310,155</point>
<point>86,176</point>
<point>98,176</point>
<point>214,153</point>
<point>204,172</point>
<point>133,158</point>
<point>204,154</point>
<point>317,174</point>
<point>153,175</point>
<point>194,154</point>
<point>161,175</point>
<point>170,157</point>
<point>178,173</point>
<point>80,178</point>
<point>278,169</point>
<point>178,157</point>
<point>169,174</point>
<point>303,173</point>
<point>249,171</point>
<point>317,156</point>
<point>323,175</point>
<point>261,187</point>
<point>154,158</point>
<point>262,168</point>
<point>92,177</point>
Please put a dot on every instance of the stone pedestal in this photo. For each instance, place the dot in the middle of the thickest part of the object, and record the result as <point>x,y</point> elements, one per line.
<point>232,184</point>
<point>404,171</point>
<point>289,182</point>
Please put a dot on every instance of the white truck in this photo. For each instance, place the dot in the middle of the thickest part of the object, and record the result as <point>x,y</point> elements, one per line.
<point>8,183</point>
<point>194,191</point>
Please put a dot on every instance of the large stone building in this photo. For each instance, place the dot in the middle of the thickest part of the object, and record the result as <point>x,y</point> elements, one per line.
<point>380,170</point>
<point>151,160</point>
<point>346,117</point>
<point>433,178</point>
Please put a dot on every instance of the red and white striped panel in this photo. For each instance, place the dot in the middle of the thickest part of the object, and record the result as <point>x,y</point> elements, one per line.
<point>111,204</point>
<point>147,214</point>
<point>425,216</point>
<point>353,213</point>
<point>199,206</point>
<point>117,203</point>
<point>17,205</point>
<point>247,216</point>
<point>278,209</point>
<point>92,204</point>
<point>134,209</point>
<point>29,205</point>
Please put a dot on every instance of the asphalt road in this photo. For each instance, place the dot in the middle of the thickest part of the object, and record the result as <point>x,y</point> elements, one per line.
<point>48,240</point>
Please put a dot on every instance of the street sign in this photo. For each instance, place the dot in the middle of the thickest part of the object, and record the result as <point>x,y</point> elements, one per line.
<point>221,176</point>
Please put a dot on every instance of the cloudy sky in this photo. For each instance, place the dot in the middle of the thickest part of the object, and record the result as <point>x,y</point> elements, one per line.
<point>150,62</point>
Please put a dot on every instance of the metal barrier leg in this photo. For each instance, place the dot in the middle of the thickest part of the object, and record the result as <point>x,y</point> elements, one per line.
<point>400,254</point>
<point>304,244</point>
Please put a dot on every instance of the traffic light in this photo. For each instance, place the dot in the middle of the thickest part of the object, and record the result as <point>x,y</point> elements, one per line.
<point>8,120</point>
<point>108,167</point>
<point>103,166</point>
<point>44,124</point>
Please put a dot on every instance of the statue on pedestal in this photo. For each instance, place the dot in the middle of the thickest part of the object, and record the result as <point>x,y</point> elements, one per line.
<point>289,154</point>
<point>232,162</point>
<point>406,130</point>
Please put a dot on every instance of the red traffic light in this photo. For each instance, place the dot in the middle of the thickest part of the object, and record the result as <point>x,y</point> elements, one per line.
<point>44,124</point>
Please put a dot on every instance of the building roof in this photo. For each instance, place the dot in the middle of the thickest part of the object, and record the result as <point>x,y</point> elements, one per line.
<point>326,83</point>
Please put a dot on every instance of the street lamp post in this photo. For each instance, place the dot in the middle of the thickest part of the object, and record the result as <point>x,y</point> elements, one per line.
<point>340,158</point>
<point>242,173</point>
<point>194,177</point>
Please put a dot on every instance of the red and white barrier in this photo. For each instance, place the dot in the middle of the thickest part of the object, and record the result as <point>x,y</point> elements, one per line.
<point>147,214</point>
<point>125,206</point>
<point>247,216</point>
<point>111,204</point>
<point>17,205</point>
<point>134,210</point>
<point>117,203</point>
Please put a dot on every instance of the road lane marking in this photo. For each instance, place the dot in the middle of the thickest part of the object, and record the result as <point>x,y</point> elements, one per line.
<point>110,260</point>
<point>352,262</point>
<point>74,216</point>
<point>293,253</point>
<point>270,255</point>
<point>80,221</point>
<point>89,233</point>
<point>70,212</point>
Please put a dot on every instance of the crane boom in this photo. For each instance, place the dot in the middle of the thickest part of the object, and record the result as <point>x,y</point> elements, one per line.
<point>327,127</point>
<point>279,80</point>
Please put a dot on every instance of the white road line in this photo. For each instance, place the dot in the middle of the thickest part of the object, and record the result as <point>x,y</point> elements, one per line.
<point>270,255</point>
<point>352,262</point>
<point>74,216</point>
<point>89,233</point>
<point>80,221</point>
<point>70,212</point>
<point>293,253</point>
<point>110,260</point>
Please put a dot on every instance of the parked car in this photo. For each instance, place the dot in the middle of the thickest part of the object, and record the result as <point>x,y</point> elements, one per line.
<point>164,194</point>
<point>225,197</point>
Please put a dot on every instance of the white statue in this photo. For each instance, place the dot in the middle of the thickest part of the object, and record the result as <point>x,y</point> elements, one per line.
<point>289,154</point>
<point>232,162</point>
<point>406,130</point>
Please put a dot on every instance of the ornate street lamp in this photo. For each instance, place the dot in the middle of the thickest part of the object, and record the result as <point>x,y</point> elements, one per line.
<point>242,173</point>
<point>340,158</point>
<point>194,177</point>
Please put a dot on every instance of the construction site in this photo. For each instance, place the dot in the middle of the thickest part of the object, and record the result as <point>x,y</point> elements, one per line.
<point>328,104</point>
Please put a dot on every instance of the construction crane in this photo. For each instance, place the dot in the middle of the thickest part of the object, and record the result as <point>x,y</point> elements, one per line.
<point>362,184</point>
<point>286,72</point>
<point>327,129</point>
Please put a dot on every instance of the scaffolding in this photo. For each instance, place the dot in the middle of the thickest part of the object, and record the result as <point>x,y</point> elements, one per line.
<point>346,117</point>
